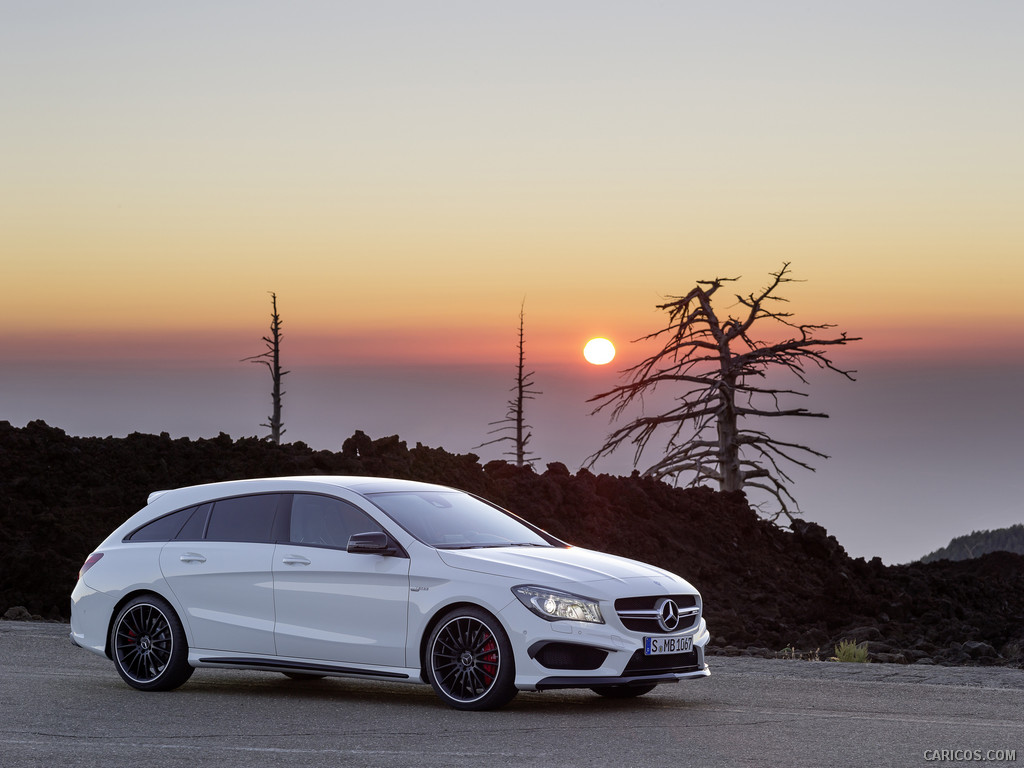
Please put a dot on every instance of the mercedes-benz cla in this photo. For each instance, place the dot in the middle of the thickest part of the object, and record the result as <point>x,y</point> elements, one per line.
<point>380,579</point>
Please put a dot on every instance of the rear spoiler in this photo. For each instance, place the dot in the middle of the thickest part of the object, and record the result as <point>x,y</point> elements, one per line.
<point>154,496</point>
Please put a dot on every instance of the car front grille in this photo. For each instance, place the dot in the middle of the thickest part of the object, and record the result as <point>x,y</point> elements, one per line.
<point>643,614</point>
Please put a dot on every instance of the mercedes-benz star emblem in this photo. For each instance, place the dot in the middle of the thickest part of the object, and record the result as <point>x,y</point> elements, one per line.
<point>668,614</point>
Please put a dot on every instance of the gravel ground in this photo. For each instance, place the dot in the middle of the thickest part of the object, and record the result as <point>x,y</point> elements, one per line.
<point>797,669</point>
<point>920,674</point>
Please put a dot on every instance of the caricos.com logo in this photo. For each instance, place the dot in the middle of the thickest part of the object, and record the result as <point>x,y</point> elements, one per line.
<point>970,755</point>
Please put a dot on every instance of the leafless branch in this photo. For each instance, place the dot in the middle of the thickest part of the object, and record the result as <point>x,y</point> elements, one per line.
<point>271,358</point>
<point>515,416</point>
<point>718,362</point>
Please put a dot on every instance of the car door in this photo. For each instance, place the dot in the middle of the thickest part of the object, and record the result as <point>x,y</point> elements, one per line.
<point>333,605</point>
<point>220,570</point>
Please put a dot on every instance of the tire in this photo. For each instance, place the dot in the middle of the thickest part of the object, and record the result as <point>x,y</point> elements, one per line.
<point>623,691</point>
<point>148,645</point>
<point>469,661</point>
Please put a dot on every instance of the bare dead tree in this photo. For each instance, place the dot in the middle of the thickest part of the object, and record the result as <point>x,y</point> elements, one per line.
<point>515,419</point>
<point>272,359</point>
<point>724,371</point>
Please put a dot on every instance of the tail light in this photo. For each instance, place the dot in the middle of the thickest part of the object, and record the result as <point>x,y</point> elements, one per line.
<point>90,561</point>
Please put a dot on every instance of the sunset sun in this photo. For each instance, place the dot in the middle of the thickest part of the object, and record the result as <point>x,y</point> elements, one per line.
<point>599,351</point>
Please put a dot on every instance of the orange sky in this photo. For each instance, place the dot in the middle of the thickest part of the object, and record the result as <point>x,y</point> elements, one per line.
<point>404,180</point>
<point>403,174</point>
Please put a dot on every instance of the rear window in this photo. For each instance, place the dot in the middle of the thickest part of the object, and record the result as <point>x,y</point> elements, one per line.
<point>163,528</point>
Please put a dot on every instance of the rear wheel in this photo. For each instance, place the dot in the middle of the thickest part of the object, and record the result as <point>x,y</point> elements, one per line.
<point>623,691</point>
<point>469,660</point>
<point>148,645</point>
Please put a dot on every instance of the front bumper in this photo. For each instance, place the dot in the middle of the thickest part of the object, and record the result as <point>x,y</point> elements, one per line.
<point>552,683</point>
<point>567,654</point>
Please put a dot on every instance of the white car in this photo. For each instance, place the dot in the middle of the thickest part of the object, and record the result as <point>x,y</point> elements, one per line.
<point>380,579</point>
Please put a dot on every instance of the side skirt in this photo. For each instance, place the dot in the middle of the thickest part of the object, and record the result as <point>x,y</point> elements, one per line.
<point>285,665</point>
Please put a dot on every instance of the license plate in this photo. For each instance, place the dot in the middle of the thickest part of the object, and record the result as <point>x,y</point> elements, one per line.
<point>655,646</point>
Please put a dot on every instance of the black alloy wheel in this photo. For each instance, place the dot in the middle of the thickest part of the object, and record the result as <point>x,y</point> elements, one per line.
<point>148,644</point>
<point>469,661</point>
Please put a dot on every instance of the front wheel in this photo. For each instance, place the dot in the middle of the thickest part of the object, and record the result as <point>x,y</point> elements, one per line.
<point>148,645</point>
<point>469,661</point>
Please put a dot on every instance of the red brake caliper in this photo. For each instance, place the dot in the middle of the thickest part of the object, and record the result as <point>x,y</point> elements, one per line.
<point>489,661</point>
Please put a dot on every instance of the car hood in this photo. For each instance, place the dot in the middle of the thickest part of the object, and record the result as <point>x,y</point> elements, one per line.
<point>556,566</point>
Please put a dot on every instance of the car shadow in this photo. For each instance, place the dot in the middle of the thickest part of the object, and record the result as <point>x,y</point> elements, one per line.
<point>235,685</point>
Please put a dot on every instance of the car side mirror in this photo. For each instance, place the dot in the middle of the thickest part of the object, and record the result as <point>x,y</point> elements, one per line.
<point>370,543</point>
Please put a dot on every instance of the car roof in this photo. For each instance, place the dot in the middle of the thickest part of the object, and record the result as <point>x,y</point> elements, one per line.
<point>355,483</point>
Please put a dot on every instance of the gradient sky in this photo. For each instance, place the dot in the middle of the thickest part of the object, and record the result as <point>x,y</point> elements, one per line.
<point>403,174</point>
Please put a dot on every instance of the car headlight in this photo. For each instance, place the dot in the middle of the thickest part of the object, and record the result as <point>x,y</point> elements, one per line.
<point>554,605</point>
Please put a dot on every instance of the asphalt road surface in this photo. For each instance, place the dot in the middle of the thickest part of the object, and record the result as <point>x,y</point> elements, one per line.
<point>63,706</point>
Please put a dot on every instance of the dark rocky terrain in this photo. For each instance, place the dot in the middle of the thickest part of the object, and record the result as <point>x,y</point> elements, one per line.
<point>767,590</point>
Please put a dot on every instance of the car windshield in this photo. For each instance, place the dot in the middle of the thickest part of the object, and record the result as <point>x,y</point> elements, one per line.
<point>455,520</point>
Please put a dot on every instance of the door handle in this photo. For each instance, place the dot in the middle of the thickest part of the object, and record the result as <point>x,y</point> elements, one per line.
<point>295,560</point>
<point>192,557</point>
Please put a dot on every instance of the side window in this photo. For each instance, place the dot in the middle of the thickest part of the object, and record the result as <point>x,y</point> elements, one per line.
<point>322,521</point>
<point>163,528</point>
<point>246,518</point>
<point>196,525</point>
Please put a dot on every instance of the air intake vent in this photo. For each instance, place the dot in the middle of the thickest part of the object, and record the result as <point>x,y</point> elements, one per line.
<point>568,656</point>
<point>661,665</point>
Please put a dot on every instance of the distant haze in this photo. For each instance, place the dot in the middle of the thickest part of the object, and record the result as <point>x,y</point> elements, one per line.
<point>917,457</point>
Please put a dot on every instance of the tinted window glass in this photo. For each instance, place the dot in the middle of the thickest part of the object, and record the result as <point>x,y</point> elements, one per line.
<point>456,520</point>
<point>326,522</point>
<point>246,518</point>
<point>193,529</point>
<point>163,528</point>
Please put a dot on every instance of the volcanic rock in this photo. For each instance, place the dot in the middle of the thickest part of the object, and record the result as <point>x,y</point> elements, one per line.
<point>764,587</point>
